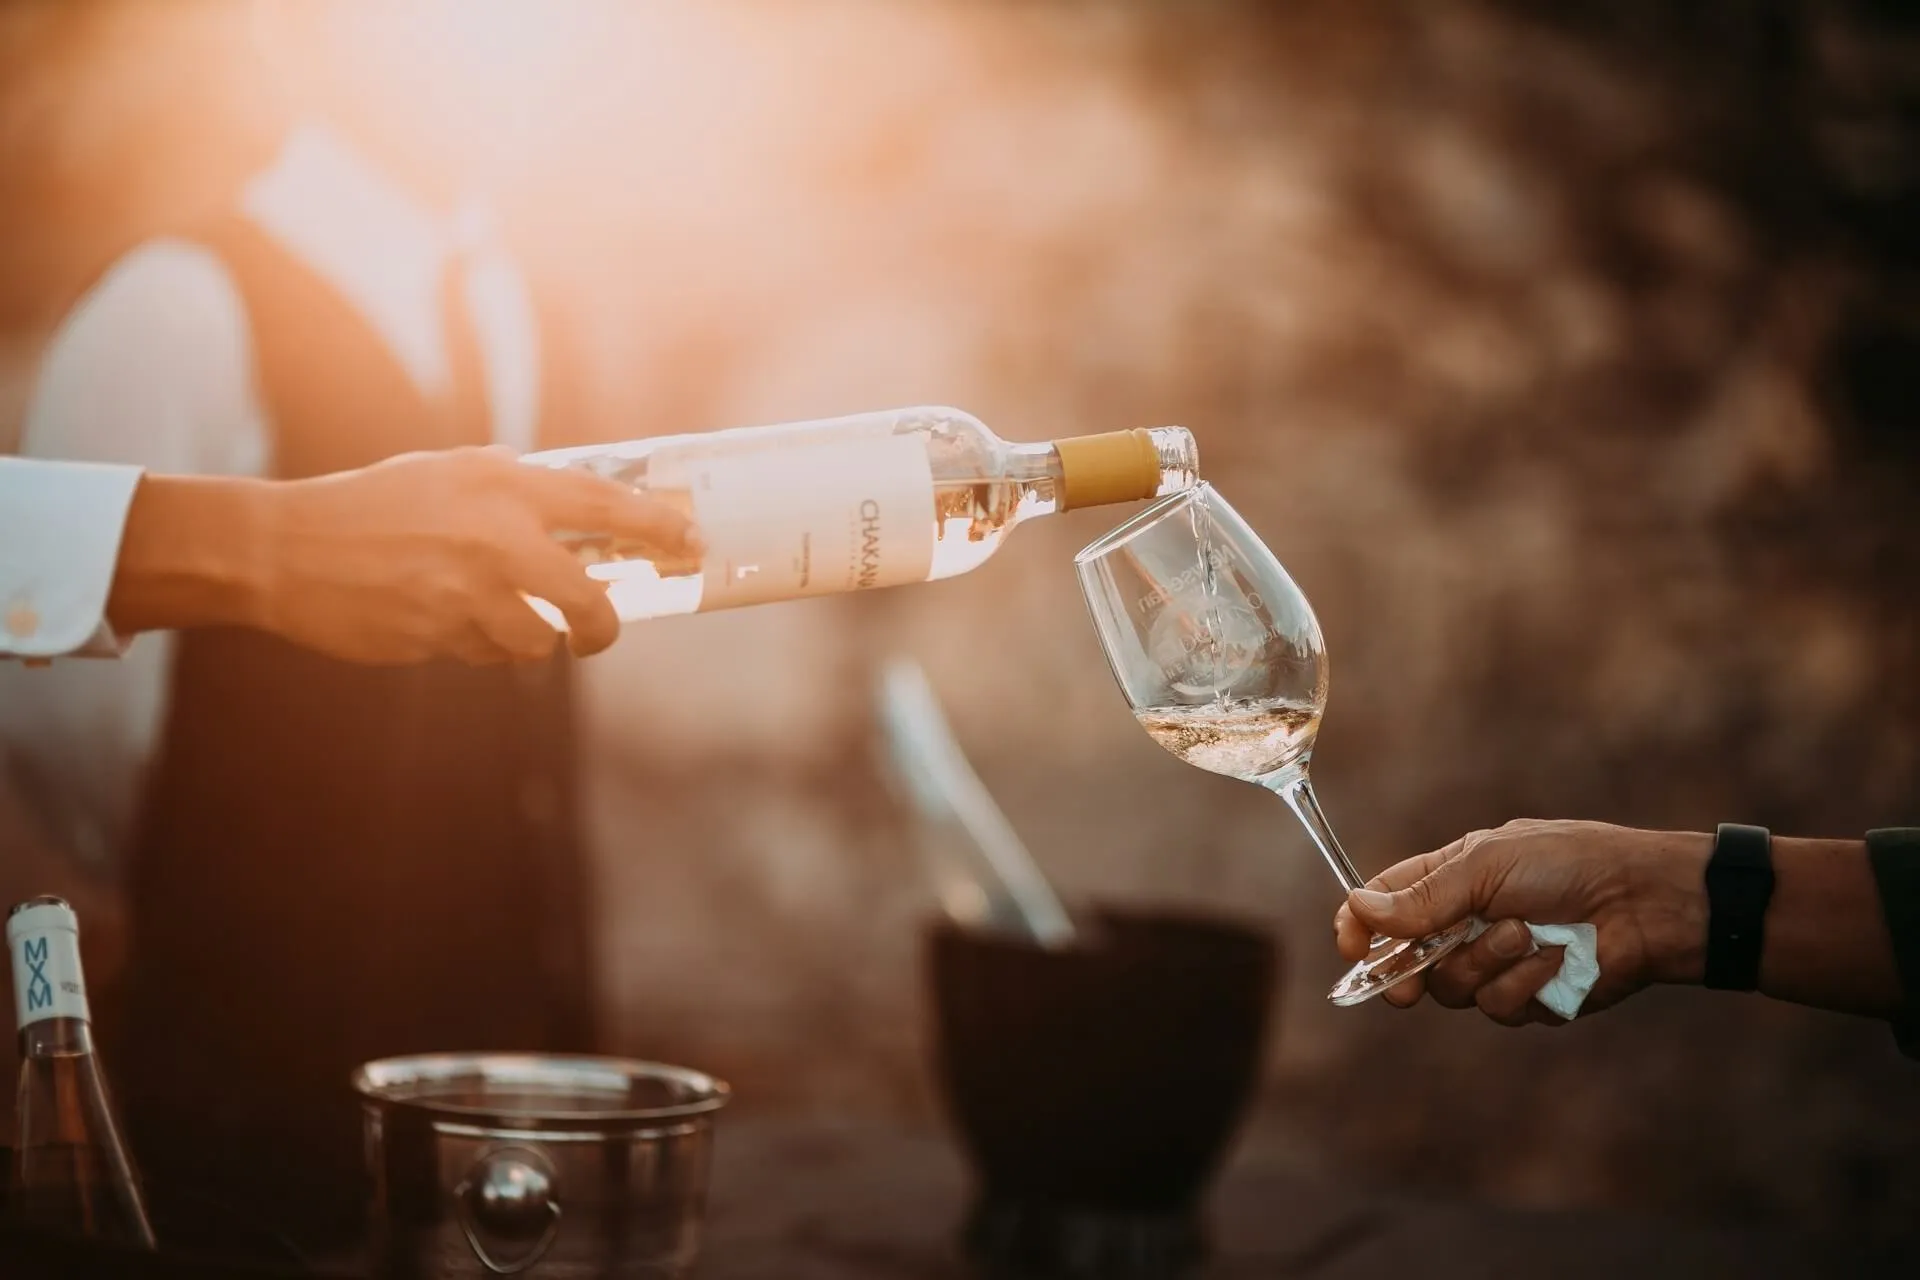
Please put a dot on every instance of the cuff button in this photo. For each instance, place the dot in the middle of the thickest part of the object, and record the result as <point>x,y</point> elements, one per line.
<point>23,620</point>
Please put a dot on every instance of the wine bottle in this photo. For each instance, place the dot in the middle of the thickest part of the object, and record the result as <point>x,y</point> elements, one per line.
<point>70,1172</point>
<point>853,503</point>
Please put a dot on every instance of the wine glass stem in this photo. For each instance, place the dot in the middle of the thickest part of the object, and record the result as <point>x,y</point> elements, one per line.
<point>1295,788</point>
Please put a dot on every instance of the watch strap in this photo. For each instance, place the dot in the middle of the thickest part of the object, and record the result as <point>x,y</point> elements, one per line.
<point>1739,888</point>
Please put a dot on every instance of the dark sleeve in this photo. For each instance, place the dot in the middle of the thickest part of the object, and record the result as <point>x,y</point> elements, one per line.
<point>1895,854</point>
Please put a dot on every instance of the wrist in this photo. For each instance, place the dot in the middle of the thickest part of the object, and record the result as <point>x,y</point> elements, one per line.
<point>193,554</point>
<point>1671,899</point>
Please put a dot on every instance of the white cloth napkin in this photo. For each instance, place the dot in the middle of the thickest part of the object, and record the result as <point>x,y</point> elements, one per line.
<point>1567,990</point>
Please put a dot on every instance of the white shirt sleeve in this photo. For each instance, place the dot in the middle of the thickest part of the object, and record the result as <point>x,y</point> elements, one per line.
<point>60,526</point>
<point>152,370</point>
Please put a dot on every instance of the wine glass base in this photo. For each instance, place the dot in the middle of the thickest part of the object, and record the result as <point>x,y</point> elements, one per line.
<point>1393,959</point>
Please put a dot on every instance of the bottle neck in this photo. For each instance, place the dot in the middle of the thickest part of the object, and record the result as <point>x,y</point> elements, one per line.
<point>56,1038</point>
<point>1028,463</point>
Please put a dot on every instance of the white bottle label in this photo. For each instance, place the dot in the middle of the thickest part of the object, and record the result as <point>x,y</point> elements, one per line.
<point>806,518</point>
<point>44,945</point>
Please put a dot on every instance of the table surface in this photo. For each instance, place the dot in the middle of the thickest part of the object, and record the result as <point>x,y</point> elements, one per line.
<point>818,1200</point>
<point>813,1201</point>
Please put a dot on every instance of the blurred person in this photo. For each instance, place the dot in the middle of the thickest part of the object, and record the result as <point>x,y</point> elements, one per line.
<point>419,557</point>
<point>323,862</point>
<point>1830,923</point>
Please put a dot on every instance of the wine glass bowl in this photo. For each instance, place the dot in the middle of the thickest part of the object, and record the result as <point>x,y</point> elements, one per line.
<point>1216,649</point>
<point>1223,664</point>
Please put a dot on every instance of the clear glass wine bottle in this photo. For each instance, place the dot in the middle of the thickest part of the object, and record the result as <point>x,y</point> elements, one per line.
<point>847,504</point>
<point>71,1173</point>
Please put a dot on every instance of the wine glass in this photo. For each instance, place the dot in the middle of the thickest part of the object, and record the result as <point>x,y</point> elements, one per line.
<point>1221,659</point>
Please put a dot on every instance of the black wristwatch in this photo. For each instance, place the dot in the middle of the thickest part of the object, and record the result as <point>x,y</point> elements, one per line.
<point>1739,887</point>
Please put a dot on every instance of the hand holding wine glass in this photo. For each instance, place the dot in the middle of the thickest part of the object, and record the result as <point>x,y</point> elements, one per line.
<point>1222,661</point>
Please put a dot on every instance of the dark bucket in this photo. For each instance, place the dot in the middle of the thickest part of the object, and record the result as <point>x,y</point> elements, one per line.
<point>1096,1088</point>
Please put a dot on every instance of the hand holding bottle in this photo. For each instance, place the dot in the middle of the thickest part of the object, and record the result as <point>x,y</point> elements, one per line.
<point>421,556</point>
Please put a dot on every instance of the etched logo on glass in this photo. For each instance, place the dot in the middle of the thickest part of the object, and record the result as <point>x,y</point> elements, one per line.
<point>1208,645</point>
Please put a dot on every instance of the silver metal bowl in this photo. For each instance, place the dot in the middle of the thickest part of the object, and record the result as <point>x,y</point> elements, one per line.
<point>493,1164</point>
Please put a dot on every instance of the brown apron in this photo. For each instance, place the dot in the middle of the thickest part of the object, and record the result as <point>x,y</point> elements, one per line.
<point>337,863</point>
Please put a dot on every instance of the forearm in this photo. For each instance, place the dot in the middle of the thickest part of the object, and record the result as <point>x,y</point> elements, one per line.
<point>194,553</point>
<point>1826,940</point>
<point>1826,935</point>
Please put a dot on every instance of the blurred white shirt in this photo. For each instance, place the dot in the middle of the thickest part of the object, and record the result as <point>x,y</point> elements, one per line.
<point>154,369</point>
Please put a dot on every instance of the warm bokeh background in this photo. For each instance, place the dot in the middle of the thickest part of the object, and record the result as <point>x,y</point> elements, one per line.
<point>1571,362</point>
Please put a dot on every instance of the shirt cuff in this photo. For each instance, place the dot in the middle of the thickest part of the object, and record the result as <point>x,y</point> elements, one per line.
<point>60,530</point>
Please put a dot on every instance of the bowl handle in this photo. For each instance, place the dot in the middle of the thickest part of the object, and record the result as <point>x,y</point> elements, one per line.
<point>508,1195</point>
